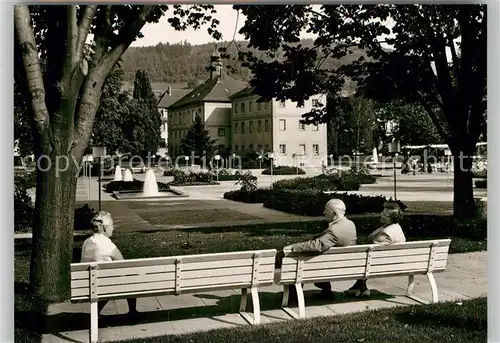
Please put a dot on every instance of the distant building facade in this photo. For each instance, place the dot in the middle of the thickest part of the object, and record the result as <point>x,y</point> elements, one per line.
<point>211,102</point>
<point>165,100</point>
<point>275,127</point>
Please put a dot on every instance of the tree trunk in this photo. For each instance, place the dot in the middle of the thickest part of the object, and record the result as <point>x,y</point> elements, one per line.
<point>53,227</point>
<point>464,205</point>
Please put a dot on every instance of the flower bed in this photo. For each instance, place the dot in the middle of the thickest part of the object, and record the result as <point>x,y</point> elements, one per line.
<point>284,170</point>
<point>312,203</point>
<point>259,195</point>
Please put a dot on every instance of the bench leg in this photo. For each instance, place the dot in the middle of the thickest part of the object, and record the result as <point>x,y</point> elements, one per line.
<point>256,306</point>
<point>432,281</point>
<point>94,315</point>
<point>300,301</point>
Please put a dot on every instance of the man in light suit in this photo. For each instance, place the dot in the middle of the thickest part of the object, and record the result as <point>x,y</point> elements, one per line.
<point>341,232</point>
<point>389,233</point>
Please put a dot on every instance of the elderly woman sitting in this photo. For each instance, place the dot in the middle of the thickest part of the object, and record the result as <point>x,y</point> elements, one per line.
<point>390,233</point>
<point>100,248</point>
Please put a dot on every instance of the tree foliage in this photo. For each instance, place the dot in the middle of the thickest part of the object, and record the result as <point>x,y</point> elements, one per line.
<point>61,78</point>
<point>198,141</point>
<point>405,58</point>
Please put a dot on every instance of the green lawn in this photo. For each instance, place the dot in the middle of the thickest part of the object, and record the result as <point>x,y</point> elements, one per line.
<point>442,322</point>
<point>250,237</point>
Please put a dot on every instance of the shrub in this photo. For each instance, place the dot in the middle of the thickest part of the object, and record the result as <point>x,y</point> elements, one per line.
<point>248,182</point>
<point>312,203</point>
<point>284,170</point>
<point>83,217</point>
<point>324,182</point>
<point>480,174</point>
<point>259,195</point>
<point>23,209</point>
<point>481,183</point>
<point>201,178</point>
<point>359,174</point>
<point>169,172</point>
<point>136,185</point>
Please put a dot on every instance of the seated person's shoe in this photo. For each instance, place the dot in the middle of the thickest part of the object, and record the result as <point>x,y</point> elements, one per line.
<point>366,293</point>
<point>325,294</point>
<point>355,290</point>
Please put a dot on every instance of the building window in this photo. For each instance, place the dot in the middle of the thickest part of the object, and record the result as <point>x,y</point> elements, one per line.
<point>236,128</point>
<point>242,148</point>
<point>266,124</point>
<point>315,149</point>
<point>222,132</point>
<point>221,149</point>
<point>250,126</point>
<point>282,125</point>
<point>315,127</point>
<point>243,127</point>
<point>250,106</point>
<point>250,147</point>
<point>259,105</point>
<point>259,125</point>
<point>302,126</point>
<point>282,149</point>
<point>315,103</point>
<point>302,149</point>
<point>242,107</point>
<point>236,107</point>
<point>282,104</point>
<point>259,148</point>
<point>235,148</point>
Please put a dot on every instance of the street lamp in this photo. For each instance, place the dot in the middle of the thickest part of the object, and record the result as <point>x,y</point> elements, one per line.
<point>394,148</point>
<point>217,158</point>
<point>260,161</point>
<point>330,157</point>
<point>99,152</point>
<point>270,155</point>
<point>186,158</point>
<point>296,162</point>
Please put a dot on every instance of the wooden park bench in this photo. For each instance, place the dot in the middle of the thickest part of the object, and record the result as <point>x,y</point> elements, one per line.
<point>363,262</point>
<point>148,277</point>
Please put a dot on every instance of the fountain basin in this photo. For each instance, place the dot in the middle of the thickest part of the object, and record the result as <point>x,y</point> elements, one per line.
<point>139,195</point>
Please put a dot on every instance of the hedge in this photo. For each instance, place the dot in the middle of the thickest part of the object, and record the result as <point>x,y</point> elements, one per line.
<point>312,203</point>
<point>136,185</point>
<point>321,183</point>
<point>284,170</point>
<point>481,183</point>
<point>258,196</point>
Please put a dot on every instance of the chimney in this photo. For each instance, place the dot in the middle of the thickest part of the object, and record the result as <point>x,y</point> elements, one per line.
<point>169,90</point>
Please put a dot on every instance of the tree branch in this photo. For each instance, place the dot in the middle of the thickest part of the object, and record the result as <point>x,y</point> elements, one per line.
<point>71,33</point>
<point>26,41</point>
<point>84,27</point>
<point>93,84</point>
<point>127,35</point>
<point>434,118</point>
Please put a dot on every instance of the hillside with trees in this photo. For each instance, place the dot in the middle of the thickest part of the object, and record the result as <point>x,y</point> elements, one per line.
<point>186,63</point>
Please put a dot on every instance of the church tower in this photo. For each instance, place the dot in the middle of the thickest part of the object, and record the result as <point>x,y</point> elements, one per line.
<point>216,65</point>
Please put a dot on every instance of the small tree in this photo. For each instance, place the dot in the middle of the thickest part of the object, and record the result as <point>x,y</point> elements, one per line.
<point>198,141</point>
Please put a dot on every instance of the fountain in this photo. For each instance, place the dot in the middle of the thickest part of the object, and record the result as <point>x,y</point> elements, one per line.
<point>127,177</point>
<point>118,174</point>
<point>150,187</point>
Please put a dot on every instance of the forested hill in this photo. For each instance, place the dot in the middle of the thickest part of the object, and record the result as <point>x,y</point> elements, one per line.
<point>186,63</point>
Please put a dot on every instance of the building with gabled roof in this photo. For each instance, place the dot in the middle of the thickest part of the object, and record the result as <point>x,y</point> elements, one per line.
<point>211,102</point>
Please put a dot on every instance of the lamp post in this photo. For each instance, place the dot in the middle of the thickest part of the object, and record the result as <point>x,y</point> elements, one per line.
<point>448,154</point>
<point>186,158</point>
<point>270,155</point>
<point>260,161</point>
<point>168,159</point>
<point>330,157</point>
<point>99,152</point>
<point>296,162</point>
<point>394,149</point>
<point>217,158</point>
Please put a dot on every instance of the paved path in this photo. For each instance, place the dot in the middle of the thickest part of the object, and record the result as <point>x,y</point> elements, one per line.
<point>465,277</point>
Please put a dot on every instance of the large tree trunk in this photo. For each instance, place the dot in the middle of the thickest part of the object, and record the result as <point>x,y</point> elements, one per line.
<point>53,228</point>
<point>464,205</point>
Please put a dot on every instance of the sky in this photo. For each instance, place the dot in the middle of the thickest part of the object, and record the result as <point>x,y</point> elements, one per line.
<point>162,32</point>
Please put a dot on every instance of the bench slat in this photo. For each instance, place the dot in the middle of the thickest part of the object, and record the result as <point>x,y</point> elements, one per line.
<point>136,287</point>
<point>407,259</point>
<point>419,267</point>
<point>325,265</point>
<point>225,280</point>
<point>353,256</point>
<point>75,267</point>
<point>77,275</point>
<point>195,274</point>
